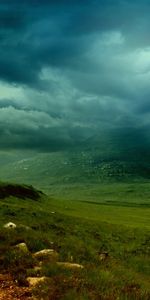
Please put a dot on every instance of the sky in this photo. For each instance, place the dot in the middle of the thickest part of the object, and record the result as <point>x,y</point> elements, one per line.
<point>70,70</point>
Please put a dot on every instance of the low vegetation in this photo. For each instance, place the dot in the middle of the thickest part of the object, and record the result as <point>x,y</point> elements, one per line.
<point>111,240</point>
<point>19,191</point>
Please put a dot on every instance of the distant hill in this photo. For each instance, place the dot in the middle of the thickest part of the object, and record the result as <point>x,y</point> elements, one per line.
<point>107,157</point>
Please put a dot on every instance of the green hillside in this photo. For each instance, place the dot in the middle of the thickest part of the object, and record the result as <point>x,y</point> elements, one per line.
<point>78,167</point>
<point>80,233</point>
<point>111,156</point>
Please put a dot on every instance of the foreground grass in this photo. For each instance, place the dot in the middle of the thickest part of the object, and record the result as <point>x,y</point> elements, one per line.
<point>80,232</point>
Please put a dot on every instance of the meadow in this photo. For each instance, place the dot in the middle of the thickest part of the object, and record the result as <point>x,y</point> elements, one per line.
<point>80,229</point>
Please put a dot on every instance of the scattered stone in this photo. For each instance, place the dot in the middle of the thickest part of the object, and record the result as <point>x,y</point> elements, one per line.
<point>103,256</point>
<point>33,281</point>
<point>46,255</point>
<point>10,225</point>
<point>69,265</point>
<point>22,247</point>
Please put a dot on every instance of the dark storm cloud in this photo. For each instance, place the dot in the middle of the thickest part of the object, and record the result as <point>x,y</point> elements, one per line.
<point>4,103</point>
<point>11,19</point>
<point>39,47</point>
<point>53,34</point>
<point>33,129</point>
<point>80,66</point>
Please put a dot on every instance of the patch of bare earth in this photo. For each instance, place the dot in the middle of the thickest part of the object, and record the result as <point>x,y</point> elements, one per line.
<point>10,291</point>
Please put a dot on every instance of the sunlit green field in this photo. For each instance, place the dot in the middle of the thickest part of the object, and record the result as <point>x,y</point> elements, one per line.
<point>112,214</point>
<point>80,229</point>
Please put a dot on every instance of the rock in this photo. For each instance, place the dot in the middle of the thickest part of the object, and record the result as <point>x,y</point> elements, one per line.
<point>10,225</point>
<point>46,255</point>
<point>33,281</point>
<point>103,256</point>
<point>69,265</point>
<point>22,247</point>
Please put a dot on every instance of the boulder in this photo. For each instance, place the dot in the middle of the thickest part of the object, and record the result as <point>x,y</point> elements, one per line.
<point>46,255</point>
<point>33,281</point>
<point>68,265</point>
<point>22,247</point>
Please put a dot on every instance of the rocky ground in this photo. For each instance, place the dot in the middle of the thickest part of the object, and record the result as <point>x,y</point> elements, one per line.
<point>11,291</point>
<point>13,285</point>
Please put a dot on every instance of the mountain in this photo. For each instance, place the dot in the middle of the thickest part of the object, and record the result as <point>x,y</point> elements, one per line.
<point>106,157</point>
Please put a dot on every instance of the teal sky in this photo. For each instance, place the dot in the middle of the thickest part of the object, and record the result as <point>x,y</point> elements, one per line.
<point>72,69</point>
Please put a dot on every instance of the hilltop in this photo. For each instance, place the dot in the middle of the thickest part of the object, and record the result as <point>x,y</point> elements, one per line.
<point>19,191</point>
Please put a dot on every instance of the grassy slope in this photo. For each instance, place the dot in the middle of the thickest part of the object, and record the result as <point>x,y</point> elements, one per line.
<point>81,230</point>
<point>114,155</point>
<point>110,157</point>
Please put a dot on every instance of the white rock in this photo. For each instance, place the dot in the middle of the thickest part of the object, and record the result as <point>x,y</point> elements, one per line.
<point>68,265</point>
<point>33,281</point>
<point>46,254</point>
<point>22,247</point>
<point>10,225</point>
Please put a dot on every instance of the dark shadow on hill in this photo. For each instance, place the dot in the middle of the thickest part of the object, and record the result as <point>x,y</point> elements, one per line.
<point>19,191</point>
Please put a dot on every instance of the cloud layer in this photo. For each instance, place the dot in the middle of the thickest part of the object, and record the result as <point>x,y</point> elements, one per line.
<point>70,69</point>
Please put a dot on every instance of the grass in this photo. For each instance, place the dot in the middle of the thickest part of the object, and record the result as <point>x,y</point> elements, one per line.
<point>85,168</point>
<point>80,231</point>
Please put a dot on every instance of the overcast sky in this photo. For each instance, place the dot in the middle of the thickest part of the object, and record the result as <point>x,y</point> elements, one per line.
<point>70,69</point>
